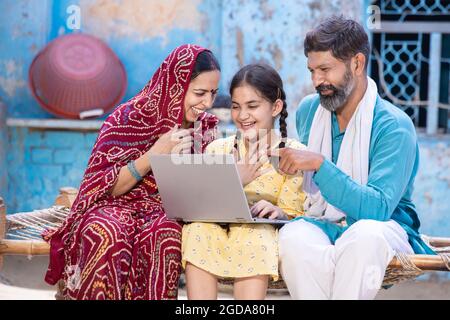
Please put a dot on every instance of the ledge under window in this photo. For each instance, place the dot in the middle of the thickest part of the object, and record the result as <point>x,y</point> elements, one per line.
<point>55,124</point>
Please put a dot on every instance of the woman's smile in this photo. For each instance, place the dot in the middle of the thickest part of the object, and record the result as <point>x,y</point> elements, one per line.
<point>197,111</point>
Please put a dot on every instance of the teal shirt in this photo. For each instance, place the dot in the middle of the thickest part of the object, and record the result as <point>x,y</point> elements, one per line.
<point>393,164</point>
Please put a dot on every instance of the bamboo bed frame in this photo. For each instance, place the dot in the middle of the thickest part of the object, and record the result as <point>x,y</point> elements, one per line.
<point>401,268</point>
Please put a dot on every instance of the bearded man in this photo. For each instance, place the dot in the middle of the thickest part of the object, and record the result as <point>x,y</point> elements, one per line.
<point>358,170</point>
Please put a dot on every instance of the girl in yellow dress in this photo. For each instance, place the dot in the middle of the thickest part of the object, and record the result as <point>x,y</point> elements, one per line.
<point>248,253</point>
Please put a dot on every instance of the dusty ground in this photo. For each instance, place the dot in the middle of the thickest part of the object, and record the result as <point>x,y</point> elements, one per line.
<point>22,278</point>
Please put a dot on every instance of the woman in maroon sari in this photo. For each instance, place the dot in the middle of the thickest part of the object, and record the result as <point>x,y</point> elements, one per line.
<point>117,242</point>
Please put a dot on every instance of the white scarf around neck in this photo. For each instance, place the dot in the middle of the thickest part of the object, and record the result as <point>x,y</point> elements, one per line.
<point>353,157</point>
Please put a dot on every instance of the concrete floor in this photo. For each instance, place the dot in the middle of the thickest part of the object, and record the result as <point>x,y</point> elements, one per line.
<point>22,278</point>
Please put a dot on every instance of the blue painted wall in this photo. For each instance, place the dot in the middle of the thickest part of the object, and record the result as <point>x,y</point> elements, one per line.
<point>142,33</point>
<point>42,161</point>
<point>23,32</point>
<point>273,31</point>
<point>128,27</point>
<point>432,185</point>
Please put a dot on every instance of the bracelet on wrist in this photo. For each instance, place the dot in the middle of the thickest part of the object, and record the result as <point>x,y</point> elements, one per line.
<point>132,168</point>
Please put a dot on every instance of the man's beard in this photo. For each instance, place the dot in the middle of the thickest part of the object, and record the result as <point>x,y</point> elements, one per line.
<point>340,94</point>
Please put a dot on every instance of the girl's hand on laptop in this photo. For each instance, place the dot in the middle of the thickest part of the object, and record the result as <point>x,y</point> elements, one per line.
<point>249,168</point>
<point>265,209</point>
<point>174,141</point>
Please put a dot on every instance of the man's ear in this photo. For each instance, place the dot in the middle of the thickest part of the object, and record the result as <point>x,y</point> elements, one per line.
<point>277,107</point>
<point>359,63</point>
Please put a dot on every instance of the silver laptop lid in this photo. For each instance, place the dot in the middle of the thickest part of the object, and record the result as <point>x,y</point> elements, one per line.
<point>200,187</point>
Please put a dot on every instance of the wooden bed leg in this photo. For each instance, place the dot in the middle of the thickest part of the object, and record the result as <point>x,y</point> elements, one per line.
<point>66,197</point>
<point>59,290</point>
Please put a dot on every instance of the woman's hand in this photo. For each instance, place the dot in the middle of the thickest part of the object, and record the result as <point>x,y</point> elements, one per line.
<point>174,141</point>
<point>265,209</point>
<point>249,168</point>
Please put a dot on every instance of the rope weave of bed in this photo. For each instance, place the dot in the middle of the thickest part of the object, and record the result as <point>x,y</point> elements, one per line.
<point>30,225</point>
<point>408,271</point>
<point>23,236</point>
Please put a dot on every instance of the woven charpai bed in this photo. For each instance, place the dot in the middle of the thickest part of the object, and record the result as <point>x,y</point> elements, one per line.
<point>20,235</point>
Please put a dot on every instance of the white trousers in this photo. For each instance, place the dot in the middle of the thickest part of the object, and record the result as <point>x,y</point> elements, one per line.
<point>353,268</point>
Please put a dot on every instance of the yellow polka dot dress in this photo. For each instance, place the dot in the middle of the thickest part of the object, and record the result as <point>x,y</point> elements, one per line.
<point>244,250</point>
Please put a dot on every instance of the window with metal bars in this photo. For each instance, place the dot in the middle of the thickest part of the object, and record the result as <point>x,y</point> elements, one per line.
<point>410,59</point>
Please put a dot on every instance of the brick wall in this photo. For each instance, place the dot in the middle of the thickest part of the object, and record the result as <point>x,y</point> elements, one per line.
<point>40,161</point>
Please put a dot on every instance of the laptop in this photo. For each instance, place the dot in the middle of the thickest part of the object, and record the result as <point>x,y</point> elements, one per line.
<point>203,188</point>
